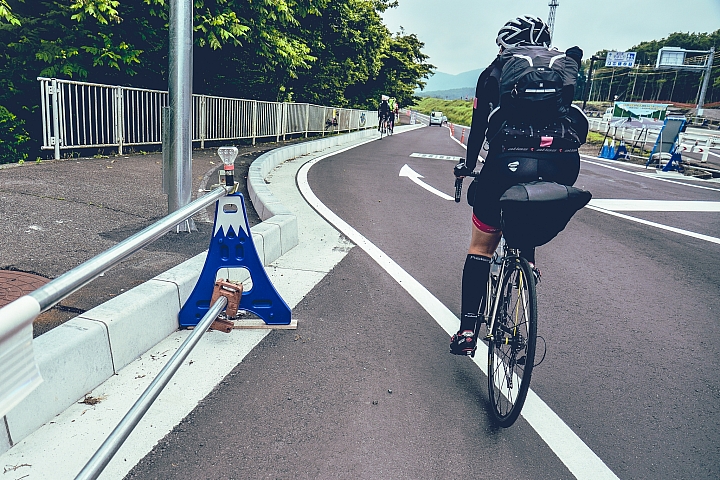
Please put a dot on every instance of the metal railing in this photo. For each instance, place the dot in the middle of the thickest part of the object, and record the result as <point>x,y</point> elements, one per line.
<point>692,140</point>
<point>90,115</point>
<point>94,467</point>
<point>17,317</point>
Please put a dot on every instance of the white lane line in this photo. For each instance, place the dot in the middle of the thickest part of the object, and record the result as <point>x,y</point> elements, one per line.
<point>645,175</point>
<point>582,462</point>
<point>435,157</point>
<point>406,171</point>
<point>626,205</point>
<point>688,233</point>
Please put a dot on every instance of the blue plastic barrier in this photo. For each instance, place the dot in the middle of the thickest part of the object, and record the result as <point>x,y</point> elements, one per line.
<point>605,150</point>
<point>232,247</point>
<point>621,153</point>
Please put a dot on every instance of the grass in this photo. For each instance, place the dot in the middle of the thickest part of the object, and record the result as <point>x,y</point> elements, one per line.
<point>456,111</point>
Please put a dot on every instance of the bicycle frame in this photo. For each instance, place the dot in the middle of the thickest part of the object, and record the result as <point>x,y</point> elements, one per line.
<point>494,292</point>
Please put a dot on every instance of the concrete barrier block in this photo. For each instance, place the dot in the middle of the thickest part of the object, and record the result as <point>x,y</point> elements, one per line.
<point>184,276</point>
<point>288,226</point>
<point>73,359</point>
<point>276,208</point>
<point>272,208</point>
<point>270,234</point>
<point>4,438</point>
<point>126,319</point>
<point>259,245</point>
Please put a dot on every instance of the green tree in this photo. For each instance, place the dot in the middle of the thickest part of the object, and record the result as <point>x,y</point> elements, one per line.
<point>348,40</point>
<point>322,51</point>
<point>13,138</point>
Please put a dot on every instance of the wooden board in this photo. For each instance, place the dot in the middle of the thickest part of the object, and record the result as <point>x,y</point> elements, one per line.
<point>258,323</point>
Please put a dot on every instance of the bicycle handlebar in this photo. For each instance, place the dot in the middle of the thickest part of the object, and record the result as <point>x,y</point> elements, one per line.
<point>458,185</point>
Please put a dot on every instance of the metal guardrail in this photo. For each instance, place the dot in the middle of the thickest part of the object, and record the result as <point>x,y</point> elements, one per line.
<point>90,115</point>
<point>17,317</point>
<point>94,467</point>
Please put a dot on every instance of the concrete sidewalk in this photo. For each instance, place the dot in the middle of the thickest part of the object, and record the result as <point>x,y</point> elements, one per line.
<point>67,442</point>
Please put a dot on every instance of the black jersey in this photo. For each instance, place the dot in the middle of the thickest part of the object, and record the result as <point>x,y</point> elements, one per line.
<point>487,95</point>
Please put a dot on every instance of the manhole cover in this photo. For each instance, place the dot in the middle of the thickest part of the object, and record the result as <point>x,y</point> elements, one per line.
<point>14,285</point>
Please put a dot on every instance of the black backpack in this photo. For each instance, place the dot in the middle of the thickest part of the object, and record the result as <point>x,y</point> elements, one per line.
<point>532,80</point>
<point>535,113</point>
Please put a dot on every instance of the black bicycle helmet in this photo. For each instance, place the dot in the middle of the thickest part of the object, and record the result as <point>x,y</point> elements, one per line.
<point>525,30</point>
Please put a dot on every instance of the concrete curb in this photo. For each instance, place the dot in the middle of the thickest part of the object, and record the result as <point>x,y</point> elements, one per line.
<point>81,354</point>
<point>271,211</point>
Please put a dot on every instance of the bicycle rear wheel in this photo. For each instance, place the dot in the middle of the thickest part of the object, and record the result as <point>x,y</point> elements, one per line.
<point>511,349</point>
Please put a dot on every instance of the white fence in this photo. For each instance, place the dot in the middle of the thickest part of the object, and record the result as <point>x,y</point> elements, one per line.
<point>89,115</point>
<point>693,140</point>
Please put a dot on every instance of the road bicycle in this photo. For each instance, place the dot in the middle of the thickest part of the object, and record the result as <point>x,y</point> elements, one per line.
<point>385,127</point>
<point>509,311</point>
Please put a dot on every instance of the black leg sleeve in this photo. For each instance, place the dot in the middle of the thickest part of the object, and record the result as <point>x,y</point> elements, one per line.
<point>475,276</point>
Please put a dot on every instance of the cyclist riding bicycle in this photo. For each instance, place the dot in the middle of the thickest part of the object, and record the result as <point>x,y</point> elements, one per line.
<point>383,110</point>
<point>504,167</point>
<point>392,103</point>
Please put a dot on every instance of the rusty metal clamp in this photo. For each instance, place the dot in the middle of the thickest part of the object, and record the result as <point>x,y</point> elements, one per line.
<point>233,293</point>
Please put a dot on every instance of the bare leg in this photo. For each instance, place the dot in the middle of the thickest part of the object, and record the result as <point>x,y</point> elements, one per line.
<point>483,243</point>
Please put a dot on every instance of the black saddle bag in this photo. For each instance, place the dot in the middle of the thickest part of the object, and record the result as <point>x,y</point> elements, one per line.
<point>532,214</point>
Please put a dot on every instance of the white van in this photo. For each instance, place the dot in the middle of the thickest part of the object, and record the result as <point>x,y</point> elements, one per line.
<point>436,118</point>
<point>608,115</point>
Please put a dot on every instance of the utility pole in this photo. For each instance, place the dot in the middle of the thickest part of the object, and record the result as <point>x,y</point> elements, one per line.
<point>180,56</point>
<point>706,80</point>
<point>551,18</point>
<point>593,59</point>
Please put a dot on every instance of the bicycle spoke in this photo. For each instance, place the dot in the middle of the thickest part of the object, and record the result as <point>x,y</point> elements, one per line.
<point>512,344</point>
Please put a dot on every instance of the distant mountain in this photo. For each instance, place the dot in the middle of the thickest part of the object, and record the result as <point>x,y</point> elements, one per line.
<point>452,94</point>
<point>445,81</point>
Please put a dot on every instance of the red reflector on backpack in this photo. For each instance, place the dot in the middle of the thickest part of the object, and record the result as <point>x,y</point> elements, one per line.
<point>546,141</point>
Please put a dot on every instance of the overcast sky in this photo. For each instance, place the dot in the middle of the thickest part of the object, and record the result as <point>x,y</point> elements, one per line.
<point>459,35</point>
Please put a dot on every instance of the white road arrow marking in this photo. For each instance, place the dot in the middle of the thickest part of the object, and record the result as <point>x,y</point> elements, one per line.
<point>406,171</point>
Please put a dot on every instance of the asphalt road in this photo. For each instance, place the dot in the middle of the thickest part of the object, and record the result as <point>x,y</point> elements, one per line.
<point>366,388</point>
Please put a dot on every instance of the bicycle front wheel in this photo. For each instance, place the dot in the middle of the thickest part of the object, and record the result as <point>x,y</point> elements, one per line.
<point>511,348</point>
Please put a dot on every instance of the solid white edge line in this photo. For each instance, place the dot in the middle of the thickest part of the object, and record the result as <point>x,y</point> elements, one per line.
<point>688,233</point>
<point>582,462</point>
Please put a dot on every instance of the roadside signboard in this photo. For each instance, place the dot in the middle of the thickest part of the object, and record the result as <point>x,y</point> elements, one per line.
<point>641,110</point>
<point>620,59</point>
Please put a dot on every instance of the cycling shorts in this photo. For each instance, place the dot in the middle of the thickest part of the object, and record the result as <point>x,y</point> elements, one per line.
<point>502,171</point>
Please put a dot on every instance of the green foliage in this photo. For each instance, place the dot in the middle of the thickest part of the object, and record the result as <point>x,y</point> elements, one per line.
<point>403,70</point>
<point>646,83</point>
<point>6,15</point>
<point>322,51</point>
<point>13,138</point>
<point>456,111</point>
<point>594,138</point>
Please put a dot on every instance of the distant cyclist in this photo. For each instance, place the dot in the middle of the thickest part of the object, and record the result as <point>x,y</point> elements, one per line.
<point>384,111</point>
<point>393,107</point>
<point>506,165</point>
